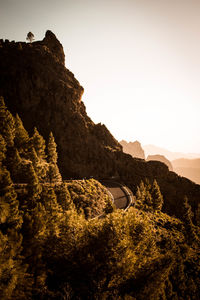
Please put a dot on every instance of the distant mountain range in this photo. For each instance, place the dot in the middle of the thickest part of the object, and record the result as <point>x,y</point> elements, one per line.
<point>153,150</point>
<point>189,168</point>
<point>184,164</point>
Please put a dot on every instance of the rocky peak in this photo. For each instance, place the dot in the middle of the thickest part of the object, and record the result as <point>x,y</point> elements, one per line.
<point>49,46</point>
<point>54,46</point>
<point>133,148</point>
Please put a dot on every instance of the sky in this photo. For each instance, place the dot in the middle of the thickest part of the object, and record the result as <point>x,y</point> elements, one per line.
<point>138,61</point>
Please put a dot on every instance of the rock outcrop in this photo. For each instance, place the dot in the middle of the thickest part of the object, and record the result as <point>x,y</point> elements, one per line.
<point>37,86</point>
<point>162,159</point>
<point>133,148</point>
<point>35,83</point>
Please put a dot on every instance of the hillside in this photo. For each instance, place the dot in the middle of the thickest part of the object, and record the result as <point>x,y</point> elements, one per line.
<point>52,247</point>
<point>160,158</point>
<point>133,148</point>
<point>189,168</point>
<point>36,84</point>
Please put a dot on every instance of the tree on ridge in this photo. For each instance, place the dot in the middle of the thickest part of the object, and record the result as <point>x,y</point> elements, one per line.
<point>30,36</point>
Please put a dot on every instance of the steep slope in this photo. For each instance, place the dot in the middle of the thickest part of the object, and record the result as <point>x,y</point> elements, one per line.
<point>36,84</point>
<point>133,148</point>
<point>189,168</point>
<point>162,159</point>
<point>53,246</point>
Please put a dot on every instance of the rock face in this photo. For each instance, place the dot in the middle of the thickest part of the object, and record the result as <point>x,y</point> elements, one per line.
<point>162,159</point>
<point>37,86</point>
<point>35,83</point>
<point>133,148</point>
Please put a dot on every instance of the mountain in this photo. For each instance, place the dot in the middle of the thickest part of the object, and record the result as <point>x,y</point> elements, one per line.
<point>67,240</point>
<point>189,168</point>
<point>133,148</point>
<point>55,243</point>
<point>161,158</point>
<point>153,150</point>
<point>36,84</point>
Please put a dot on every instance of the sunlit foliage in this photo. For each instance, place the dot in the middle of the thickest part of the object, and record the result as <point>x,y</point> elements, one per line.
<point>65,240</point>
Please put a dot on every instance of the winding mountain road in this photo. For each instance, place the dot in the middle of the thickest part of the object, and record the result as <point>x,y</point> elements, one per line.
<point>122,196</point>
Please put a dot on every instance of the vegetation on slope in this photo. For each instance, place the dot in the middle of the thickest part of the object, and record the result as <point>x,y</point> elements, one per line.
<point>50,248</point>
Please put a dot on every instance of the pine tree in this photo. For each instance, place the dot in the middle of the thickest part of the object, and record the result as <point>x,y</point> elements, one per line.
<point>39,144</point>
<point>143,196</point>
<point>41,167</point>
<point>10,239</point>
<point>13,163</point>
<point>7,124</point>
<point>2,149</point>
<point>33,182</point>
<point>54,174</point>
<point>34,231</point>
<point>187,219</point>
<point>33,186</point>
<point>8,198</point>
<point>54,211</point>
<point>157,196</point>
<point>140,195</point>
<point>21,135</point>
<point>147,185</point>
<point>148,203</point>
<point>30,36</point>
<point>64,198</point>
<point>51,149</point>
<point>32,155</point>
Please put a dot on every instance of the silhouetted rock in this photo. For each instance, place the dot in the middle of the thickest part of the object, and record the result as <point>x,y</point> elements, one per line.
<point>162,159</point>
<point>54,46</point>
<point>133,148</point>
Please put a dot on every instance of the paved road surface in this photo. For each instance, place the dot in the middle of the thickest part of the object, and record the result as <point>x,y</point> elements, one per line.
<point>121,194</point>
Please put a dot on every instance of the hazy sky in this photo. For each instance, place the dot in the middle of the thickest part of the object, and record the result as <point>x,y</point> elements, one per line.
<point>138,61</point>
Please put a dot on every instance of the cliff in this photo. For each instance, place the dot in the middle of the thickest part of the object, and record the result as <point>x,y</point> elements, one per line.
<point>133,148</point>
<point>36,84</point>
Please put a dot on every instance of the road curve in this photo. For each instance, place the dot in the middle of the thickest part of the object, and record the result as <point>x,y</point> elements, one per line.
<point>121,194</point>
